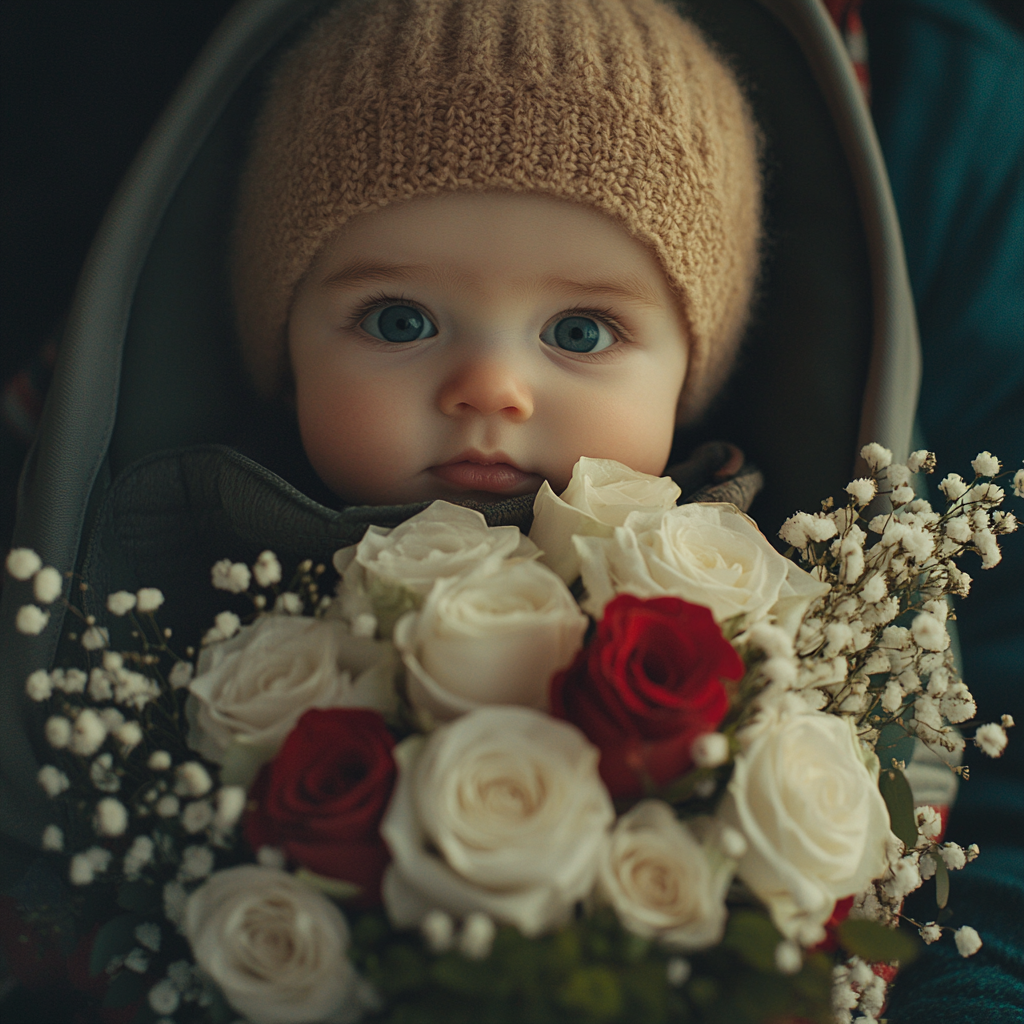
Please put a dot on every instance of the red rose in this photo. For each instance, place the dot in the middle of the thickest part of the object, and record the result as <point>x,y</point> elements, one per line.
<point>648,683</point>
<point>321,799</point>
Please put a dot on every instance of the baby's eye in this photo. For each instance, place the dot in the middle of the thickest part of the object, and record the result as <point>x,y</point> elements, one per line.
<point>578,334</point>
<point>398,324</point>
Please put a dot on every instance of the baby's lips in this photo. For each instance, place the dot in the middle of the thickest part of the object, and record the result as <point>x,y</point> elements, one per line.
<point>499,478</point>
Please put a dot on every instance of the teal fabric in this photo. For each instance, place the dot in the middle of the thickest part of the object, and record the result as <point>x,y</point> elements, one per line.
<point>985,989</point>
<point>948,100</point>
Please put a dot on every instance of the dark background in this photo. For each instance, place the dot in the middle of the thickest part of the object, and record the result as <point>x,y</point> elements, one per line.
<point>82,83</point>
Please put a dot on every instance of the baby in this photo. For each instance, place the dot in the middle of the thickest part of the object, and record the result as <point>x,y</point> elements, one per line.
<point>478,240</point>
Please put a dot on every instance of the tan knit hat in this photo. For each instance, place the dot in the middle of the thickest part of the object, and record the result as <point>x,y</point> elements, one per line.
<point>619,104</point>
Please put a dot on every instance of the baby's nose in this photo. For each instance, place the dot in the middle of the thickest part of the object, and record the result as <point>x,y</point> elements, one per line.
<point>487,385</point>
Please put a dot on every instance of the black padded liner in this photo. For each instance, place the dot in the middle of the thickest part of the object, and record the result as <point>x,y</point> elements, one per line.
<point>794,402</point>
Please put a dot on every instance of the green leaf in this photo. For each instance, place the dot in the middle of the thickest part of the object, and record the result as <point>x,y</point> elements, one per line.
<point>894,741</point>
<point>334,888</point>
<point>899,799</point>
<point>116,937</point>
<point>126,988</point>
<point>754,938</point>
<point>634,948</point>
<point>874,942</point>
<point>402,969</point>
<point>566,951</point>
<point>369,930</point>
<point>594,991</point>
<point>461,976</point>
<point>703,991</point>
<point>646,993</point>
<point>941,881</point>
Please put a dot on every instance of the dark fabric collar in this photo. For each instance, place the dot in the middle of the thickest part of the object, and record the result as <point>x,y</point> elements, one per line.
<point>167,519</point>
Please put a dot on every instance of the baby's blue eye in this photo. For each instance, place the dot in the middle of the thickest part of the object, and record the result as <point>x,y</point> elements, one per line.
<point>398,324</point>
<point>578,334</point>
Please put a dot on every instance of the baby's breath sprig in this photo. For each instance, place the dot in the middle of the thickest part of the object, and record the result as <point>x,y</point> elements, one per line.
<point>116,732</point>
<point>853,655</point>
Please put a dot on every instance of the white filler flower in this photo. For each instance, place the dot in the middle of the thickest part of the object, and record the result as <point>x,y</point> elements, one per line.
<point>986,464</point>
<point>23,563</point>
<point>710,554</point>
<point>806,797</point>
<point>991,738</point>
<point>968,941</point>
<point>39,685</point>
<point>254,687</point>
<point>500,811</point>
<point>267,569</point>
<point>48,585</point>
<point>600,495</point>
<point>277,948</point>
<point>490,637</point>
<point>148,599</point>
<point>229,576</point>
<point>121,602</point>
<point>31,620</point>
<point>662,882</point>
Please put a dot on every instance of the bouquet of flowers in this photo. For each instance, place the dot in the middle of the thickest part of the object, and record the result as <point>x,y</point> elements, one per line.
<point>621,769</point>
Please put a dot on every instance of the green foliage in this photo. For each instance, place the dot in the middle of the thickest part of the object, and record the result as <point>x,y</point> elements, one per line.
<point>874,942</point>
<point>125,989</point>
<point>334,888</point>
<point>593,992</point>
<point>900,801</point>
<point>592,971</point>
<point>115,938</point>
<point>753,937</point>
<point>895,741</point>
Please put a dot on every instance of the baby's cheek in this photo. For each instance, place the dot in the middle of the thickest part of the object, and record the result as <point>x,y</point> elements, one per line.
<point>633,426</point>
<point>353,436</point>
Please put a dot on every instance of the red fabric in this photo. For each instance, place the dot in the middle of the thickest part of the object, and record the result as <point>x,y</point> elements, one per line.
<point>649,682</point>
<point>846,15</point>
<point>322,798</point>
<point>840,912</point>
<point>943,812</point>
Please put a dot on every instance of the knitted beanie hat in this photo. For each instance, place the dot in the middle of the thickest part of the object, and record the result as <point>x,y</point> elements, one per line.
<point>619,104</point>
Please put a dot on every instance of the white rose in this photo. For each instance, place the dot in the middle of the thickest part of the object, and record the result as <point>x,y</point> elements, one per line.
<point>253,688</point>
<point>490,637</point>
<point>390,571</point>
<point>806,797</point>
<point>276,948</point>
<point>662,882</point>
<point>706,553</point>
<point>600,495</point>
<point>500,811</point>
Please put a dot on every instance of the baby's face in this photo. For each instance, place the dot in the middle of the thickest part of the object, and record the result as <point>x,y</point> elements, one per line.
<point>470,346</point>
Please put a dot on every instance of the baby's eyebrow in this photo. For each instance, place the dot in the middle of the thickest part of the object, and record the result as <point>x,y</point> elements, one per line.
<point>367,271</point>
<point>629,287</point>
